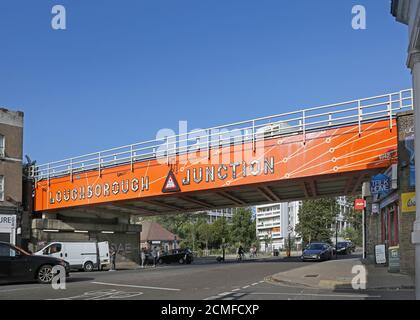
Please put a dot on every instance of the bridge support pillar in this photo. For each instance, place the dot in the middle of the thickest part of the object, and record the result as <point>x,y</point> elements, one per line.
<point>414,64</point>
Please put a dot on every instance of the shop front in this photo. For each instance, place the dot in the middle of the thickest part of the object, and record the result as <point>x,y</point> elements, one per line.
<point>8,228</point>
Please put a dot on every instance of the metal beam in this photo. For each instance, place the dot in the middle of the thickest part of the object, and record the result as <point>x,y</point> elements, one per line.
<point>136,210</point>
<point>358,183</point>
<point>232,198</point>
<point>349,184</point>
<point>272,194</point>
<point>196,201</point>
<point>313,188</point>
<point>268,194</point>
<point>305,189</point>
<point>164,205</point>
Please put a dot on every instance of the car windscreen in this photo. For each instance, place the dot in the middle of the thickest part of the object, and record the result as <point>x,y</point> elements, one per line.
<point>316,246</point>
<point>20,250</point>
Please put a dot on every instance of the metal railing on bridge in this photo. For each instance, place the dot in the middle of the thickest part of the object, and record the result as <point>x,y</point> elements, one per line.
<point>291,123</point>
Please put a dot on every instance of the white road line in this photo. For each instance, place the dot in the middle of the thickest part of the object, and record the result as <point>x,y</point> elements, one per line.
<point>262,281</point>
<point>212,298</point>
<point>224,294</point>
<point>246,287</point>
<point>235,290</point>
<point>254,284</point>
<point>132,286</point>
<point>314,295</point>
<point>20,289</point>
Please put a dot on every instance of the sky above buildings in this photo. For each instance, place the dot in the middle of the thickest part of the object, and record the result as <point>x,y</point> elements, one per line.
<point>122,70</point>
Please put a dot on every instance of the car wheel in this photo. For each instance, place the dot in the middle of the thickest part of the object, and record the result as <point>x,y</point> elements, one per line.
<point>160,261</point>
<point>45,274</point>
<point>88,266</point>
<point>181,261</point>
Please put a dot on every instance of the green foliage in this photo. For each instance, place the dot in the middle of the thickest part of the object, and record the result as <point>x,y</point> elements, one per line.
<point>354,235</point>
<point>243,229</point>
<point>196,233</point>
<point>315,219</point>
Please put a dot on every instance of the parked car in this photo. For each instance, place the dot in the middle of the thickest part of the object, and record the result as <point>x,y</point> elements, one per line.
<point>181,256</point>
<point>344,247</point>
<point>352,246</point>
<point>17,265</point>
<point>318,251</point>
<point>86,256</point>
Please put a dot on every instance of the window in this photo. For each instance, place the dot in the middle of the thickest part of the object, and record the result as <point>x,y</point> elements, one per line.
<point>1,188</point>
<point>54,248</point>
<point>2,145</point>
<point>7,251</point>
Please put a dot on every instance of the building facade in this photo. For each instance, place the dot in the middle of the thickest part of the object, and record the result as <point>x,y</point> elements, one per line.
<point>408,12</point>
<point>11,151</point>
<point>274,223</point>
<point>214,215</point>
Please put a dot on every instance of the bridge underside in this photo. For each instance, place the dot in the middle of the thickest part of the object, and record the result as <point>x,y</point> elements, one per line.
<point>258,194</point>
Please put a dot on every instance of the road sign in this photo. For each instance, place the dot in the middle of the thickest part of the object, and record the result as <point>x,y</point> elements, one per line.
<point>359,204</point>
<point>171,185</point>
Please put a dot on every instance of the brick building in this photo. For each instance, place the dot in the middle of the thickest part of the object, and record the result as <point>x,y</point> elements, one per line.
<point>11,145</point>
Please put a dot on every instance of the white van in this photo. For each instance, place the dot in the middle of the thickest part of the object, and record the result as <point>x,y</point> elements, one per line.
<point>80,255</point>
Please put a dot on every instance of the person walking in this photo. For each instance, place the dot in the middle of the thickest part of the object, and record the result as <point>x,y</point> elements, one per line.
<point>154,256</point>
<point>113,256</point>
<point>143,257</point>
<point>240,253</point>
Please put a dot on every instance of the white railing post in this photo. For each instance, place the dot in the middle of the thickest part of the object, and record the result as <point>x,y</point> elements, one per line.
<point>48,174</point>
<point>99,164</point>
<point>412,99</point>
<point>71,170</point>
<point>167,151</point>
<point>304,126</point>
<point>390,112</point>
<point>208,144</point>
<point>359,116</point>
<point>131,158</point>
<point>330,119</point>
<point>254,147</point>
<point>401,100</point>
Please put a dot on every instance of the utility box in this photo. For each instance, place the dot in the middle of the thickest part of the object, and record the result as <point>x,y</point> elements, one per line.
<point>394,259</point>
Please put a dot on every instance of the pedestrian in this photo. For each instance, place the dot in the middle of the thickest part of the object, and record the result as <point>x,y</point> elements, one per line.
<point>154,256</point>
<point>240,253</point>
<point>113,256</point>
<point>143,257</point>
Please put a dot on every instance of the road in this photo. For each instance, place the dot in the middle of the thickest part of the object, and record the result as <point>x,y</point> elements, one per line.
<point>229,281</point>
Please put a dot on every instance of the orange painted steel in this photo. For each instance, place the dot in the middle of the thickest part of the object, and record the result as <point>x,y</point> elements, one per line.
<point>336,150</point>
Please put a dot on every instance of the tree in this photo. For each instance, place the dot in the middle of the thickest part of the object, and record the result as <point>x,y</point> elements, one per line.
<point>243,227</point>
<point>315,219</point>
<point>354,218</point>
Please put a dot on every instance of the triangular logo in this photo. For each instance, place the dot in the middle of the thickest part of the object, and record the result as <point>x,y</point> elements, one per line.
<point>171,185</point>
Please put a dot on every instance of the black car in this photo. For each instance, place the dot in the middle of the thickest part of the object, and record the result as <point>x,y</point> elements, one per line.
<point>344,247</point>
<point>17,265</point>
<point>181,256</point>
<point>318,251</point>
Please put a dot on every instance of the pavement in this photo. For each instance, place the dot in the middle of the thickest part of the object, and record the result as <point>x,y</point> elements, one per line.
<point>341,273</point>
<point>246,280</point>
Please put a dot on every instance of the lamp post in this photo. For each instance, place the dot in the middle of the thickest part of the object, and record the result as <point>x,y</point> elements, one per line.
<point>223,235</point>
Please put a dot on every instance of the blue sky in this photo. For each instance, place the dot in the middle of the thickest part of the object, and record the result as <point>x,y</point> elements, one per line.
<point>125,69</point>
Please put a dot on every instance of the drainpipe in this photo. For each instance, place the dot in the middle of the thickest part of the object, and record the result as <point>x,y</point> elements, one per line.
<point>414,64</point>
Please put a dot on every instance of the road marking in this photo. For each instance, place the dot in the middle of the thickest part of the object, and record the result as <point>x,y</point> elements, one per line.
<point>315,294</point>
<point>132,286</point>
<point>262,281</point>
<point>246,287</point>
<point>20,289</point>
<point>224,294</point>
<point>254,284</point>
<point>212,298</point>
<point>235,290</point>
